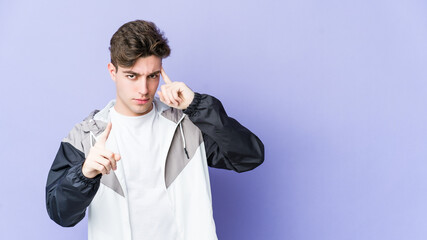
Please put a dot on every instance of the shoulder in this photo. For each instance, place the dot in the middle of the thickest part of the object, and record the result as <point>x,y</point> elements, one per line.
<point>93,123</point>
<point>169,113</point>
<point>160,106</point>
<point>80,132</point>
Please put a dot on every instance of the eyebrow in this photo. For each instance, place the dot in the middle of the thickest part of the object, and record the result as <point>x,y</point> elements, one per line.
<point>137,74</point>
<point>154,73</point>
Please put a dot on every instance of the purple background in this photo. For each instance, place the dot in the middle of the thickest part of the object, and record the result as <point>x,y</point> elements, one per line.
<point>335,89</point>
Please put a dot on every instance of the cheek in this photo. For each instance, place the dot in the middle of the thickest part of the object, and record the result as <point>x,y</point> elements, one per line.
<point>132,87</point>
<point>154,85</point>
<point>126,87</point>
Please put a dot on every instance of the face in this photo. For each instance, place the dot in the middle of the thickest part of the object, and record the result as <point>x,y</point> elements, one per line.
<point>136,86</point>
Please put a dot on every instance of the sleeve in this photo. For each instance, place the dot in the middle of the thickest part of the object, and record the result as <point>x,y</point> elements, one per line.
<point>229,145</point>
<point>68,191</point>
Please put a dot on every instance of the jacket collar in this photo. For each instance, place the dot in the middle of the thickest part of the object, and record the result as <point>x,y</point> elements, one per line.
<point>97,120</point>
<point>104,114</point>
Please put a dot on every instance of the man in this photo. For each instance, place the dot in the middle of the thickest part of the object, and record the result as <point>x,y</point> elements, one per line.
<point>140,164</point>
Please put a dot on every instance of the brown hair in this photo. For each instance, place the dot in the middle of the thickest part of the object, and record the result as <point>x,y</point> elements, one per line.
<point>137,39</point>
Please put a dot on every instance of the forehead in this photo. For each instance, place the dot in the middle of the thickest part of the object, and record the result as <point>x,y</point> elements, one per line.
<point>144,65</point>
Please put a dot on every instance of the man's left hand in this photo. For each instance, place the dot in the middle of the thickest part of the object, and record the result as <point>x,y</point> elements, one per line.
<point>175,94</point>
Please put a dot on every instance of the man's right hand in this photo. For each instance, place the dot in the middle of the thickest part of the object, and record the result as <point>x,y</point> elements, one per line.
<point>100,160</point>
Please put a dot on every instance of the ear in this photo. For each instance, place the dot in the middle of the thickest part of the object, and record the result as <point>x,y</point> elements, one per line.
<point>112,71</point>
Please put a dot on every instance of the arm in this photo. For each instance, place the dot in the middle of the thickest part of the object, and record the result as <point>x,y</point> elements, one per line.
<point>68,191</point>
<point>73,180</point>
<point>229,145</point>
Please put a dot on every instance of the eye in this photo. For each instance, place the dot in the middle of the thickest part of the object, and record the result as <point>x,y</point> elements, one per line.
<point>131,76</point>
<point>153,76</point>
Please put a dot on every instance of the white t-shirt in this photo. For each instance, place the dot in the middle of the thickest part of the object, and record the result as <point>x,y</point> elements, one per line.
<point>151,213</point>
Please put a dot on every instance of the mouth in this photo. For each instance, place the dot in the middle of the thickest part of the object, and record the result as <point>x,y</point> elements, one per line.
<point>141,100</point>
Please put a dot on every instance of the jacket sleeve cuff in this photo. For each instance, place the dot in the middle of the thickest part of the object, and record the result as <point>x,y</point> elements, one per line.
<point>192,108</point>
<point>86,180</point>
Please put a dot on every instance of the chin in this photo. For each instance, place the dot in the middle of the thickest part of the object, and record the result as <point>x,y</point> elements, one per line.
<point>143,109</point>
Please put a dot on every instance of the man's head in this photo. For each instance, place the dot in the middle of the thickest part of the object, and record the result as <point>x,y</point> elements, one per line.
<point>137,50</point>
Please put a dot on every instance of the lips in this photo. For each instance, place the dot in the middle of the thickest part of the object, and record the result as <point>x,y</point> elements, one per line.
<point>141,100</point>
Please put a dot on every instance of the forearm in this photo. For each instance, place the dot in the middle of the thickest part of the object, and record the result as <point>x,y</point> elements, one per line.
<point>68,191</point>
<point>228,144</point>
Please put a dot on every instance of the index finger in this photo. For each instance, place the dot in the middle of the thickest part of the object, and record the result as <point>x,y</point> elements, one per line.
<point>104,135</point>
<point>164,76</point>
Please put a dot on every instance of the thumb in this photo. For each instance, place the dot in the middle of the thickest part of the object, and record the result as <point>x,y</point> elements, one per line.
<point>117,156</point>
<point>104,135</point>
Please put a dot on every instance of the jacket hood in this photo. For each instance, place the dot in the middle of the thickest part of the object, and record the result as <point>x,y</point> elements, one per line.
<point>98,119</point>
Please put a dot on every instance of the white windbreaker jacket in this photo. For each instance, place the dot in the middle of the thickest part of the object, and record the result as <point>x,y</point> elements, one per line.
<point>201,135</point>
